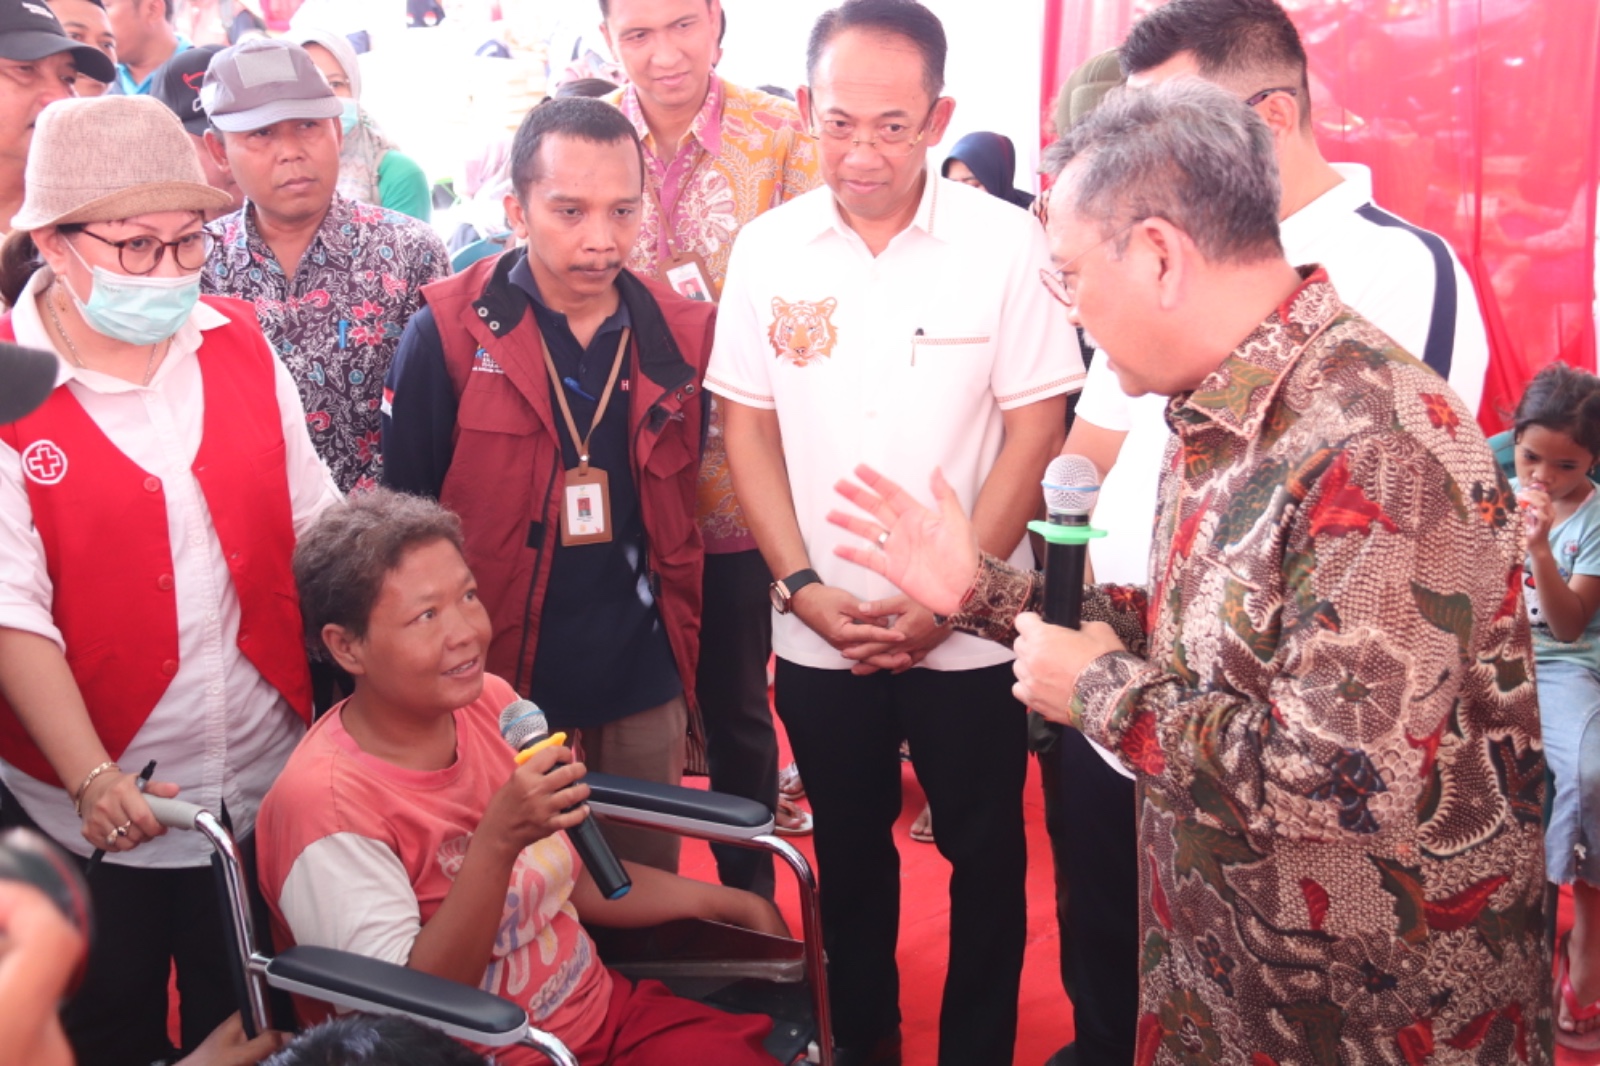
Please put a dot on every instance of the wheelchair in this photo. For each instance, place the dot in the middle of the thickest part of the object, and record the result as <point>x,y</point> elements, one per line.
<point>784,979</point>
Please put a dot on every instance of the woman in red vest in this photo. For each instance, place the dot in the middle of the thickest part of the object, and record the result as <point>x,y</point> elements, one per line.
<point>148,512</point>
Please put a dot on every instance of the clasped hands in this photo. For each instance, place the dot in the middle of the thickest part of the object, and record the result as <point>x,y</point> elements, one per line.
<point>892,634</point>
<point>933,556</point>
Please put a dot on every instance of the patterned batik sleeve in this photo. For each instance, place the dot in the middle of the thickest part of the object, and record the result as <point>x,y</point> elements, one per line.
<point>1335,652</point>
<point>801,173</point>
<point>1000,592</point>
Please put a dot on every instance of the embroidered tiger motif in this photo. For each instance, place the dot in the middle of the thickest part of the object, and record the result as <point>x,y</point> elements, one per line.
<point>802,331</point>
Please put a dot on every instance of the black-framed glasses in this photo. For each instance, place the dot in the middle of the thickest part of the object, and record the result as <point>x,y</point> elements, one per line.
<point>1064,286</point>
<point>890,138</point>
<point>141,255</point>
<point>1252,101</point>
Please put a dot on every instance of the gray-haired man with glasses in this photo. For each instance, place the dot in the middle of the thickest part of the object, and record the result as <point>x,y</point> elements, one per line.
<point>898,316</point>
<point>1404,280</point>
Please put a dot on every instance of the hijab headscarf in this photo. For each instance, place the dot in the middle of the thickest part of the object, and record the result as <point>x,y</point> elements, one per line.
<point>364,144</point>
<point>993,161</point>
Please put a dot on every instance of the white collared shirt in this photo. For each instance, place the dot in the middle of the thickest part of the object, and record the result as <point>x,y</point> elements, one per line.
<point>1382,267</point>
<point>220,731</point>
<point>904,361</point>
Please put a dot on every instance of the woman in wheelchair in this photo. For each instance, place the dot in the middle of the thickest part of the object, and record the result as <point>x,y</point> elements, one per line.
<point>402,829</point>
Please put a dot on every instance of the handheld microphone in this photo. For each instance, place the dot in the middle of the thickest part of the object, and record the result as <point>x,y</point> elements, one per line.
<point>525,729</point>
<point>1070,483</point>
<point>27,377</point>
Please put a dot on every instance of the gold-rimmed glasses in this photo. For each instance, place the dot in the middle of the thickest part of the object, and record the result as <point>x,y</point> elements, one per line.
<point>1062,282</point>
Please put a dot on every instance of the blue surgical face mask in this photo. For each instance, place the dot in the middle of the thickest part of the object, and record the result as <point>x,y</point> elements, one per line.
<point>133,309</point>
<point>352,114</point>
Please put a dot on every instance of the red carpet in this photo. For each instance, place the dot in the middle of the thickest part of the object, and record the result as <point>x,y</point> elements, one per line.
<point>1045,1013</point>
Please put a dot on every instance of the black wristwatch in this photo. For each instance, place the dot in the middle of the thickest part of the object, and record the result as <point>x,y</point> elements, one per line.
<point>782,592</point>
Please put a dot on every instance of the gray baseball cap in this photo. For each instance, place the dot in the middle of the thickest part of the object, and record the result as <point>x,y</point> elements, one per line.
<point>262,81</point>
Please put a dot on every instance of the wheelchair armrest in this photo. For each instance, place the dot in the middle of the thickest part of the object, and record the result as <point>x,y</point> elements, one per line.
<point>697,948</point>
<point>693,811</point>
<point>375,987</point>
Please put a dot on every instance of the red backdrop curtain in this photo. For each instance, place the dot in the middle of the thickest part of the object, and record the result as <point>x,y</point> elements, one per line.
<point>1479,121</point>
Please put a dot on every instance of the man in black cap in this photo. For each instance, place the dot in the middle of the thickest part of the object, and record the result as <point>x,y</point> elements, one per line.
<point>38,65</point>
<point>86,22</point>
<point>176,83</point>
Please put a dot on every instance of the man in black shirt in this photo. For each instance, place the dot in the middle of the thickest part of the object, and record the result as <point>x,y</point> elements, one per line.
<point>552,399</point>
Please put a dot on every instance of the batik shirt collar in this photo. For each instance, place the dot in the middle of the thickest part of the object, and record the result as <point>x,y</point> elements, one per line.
<point>1237,394</point>
<point>248,235</point>
<point>706,129</point>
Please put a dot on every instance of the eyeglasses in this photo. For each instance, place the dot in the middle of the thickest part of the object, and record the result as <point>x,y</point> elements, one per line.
<point>1252,101</point>
<point>1064,286</point>
<point>141,255</point>
<point>890,138</point>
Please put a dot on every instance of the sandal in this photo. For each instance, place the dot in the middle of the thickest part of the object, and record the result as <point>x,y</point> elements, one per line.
<point>922,828</point>
<point>789,783</point>
<point>1568,998</point>
<point>791,820</point>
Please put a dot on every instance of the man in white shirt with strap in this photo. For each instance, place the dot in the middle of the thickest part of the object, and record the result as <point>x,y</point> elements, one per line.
<point>1403,279</point>
<point>894,318</point>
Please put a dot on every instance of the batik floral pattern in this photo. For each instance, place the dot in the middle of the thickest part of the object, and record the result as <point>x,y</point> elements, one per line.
<point>1331,708</point>
<point>337,322</point>
<point>745,153</point>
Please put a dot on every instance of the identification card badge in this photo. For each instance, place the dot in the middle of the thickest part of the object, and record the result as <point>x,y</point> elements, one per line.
<point>586,510</point>
<point>688,276</point>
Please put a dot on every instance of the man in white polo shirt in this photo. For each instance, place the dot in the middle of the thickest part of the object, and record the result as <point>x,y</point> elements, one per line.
<point>1403,279</point>
<point>894,318</point>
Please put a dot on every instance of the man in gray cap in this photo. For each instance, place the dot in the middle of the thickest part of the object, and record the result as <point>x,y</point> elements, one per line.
<point>40,63</point>
<point>333,280</point>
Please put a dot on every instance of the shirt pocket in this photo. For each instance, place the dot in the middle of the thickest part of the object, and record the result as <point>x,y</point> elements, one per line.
<point>935,350</point>
<point>947,363</point>
<point>495,408</point>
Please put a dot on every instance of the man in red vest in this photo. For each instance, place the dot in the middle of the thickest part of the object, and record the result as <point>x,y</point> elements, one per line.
<point>552,399</point>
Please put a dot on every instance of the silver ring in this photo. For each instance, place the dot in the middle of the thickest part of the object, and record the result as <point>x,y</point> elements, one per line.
<point>883,538</point>
<point>111,838</point>
<point>122,830</point>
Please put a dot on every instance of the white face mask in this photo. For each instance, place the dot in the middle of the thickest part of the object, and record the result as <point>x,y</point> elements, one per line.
<point>133,309</point>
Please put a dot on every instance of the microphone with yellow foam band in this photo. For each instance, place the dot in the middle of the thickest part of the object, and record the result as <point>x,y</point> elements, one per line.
<point>525,729</point>
<point>552,741</point>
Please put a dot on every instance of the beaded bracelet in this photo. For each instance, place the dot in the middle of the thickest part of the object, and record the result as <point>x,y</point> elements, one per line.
<point>77,797</point>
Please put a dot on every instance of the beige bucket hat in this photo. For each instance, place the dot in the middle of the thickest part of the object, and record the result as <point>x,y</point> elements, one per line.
<point>103,158</point>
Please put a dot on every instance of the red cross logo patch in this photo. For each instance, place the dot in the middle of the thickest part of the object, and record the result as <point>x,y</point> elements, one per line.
<point>44,463</point>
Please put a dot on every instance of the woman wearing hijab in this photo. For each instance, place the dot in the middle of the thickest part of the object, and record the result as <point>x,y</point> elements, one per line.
<point>149,625</point>
<point>371,169</point>
<point>987,161</point>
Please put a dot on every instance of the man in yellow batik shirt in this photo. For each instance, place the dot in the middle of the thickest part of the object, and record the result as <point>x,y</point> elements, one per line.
<point>716,156</point>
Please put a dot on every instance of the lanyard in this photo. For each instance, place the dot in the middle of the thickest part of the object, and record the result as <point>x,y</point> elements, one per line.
<point>669,229</point>
<point>599,411</point>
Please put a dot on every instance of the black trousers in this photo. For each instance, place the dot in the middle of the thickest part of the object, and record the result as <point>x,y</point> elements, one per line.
<point>1099,836</point>
<point>145,920</point>
<point>970,741</point>
<point>731,685</point>
<point>1044,740</point>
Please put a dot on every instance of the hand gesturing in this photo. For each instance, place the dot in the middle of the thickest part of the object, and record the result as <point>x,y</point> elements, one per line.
<point>931,556</point>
